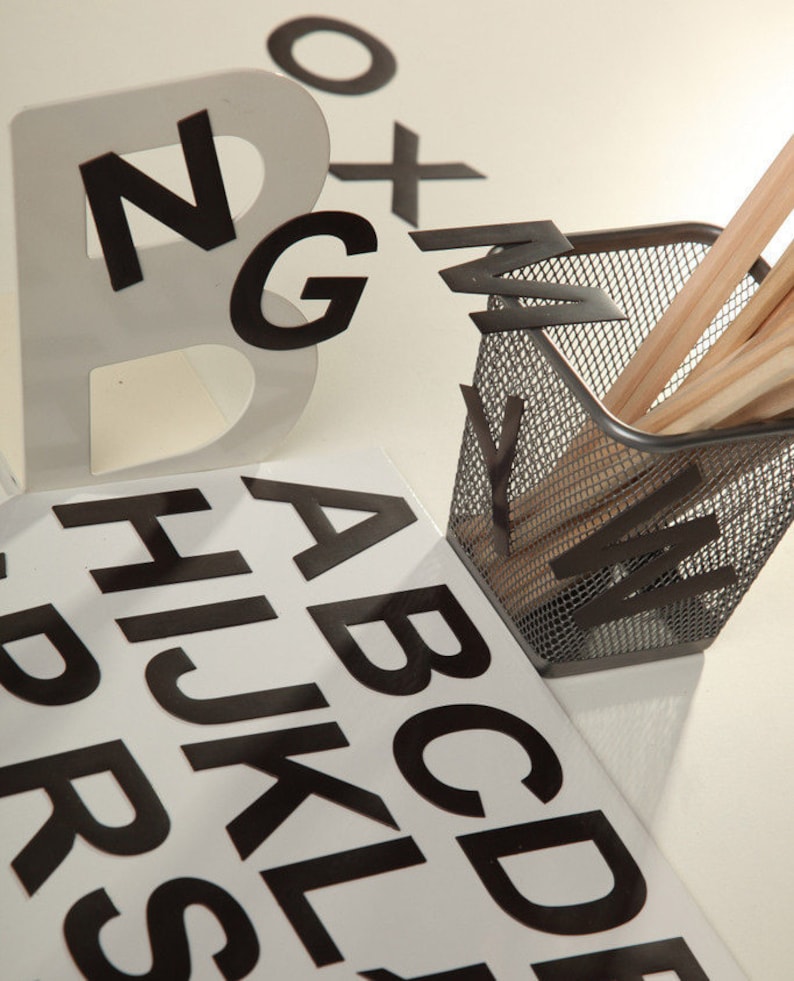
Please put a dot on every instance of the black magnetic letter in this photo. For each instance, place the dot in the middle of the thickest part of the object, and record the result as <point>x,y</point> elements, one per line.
<point>414,736</point>
<point>269,752</point>
<point>344,292</point>
<point>498,459</point>
<point>395,610</point>
<point>167,936</point>
<point>196,619</point>
<point>70,817</point>
<point>290,883</point>
<point>165,669</point>
<point>621,904</point>
<point>626,964</point>
<point>143,512</point>
<point>475,972</point>
<point>380,72</point>
<point>522,244</point>
<point>207,223</point>
<point>405,173</point>
<point>389,515</point>
<point>80,675</point>
<point>645,587</point>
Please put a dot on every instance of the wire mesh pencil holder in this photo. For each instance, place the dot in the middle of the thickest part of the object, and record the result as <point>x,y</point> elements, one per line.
<point>623,546</point>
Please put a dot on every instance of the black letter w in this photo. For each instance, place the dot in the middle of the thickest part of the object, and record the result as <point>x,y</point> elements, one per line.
<point>665,548</point>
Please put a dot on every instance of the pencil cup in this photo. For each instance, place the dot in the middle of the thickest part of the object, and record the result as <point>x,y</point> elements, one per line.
<point>616,546</point>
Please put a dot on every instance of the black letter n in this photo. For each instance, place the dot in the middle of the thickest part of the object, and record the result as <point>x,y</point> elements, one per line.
<point>207,223</point>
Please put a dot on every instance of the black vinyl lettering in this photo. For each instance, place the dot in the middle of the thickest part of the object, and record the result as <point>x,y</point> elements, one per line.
<point>395,610</point>
<point>165,669</point>
<point>207,223</point>
<point>269,752</point>
<point>609,546</point>
<point>171,960</point>
<point>70,817</point>
<point>282,41</point>
<point>80,676</point>
<point>621,904</point>
<point>520,244</point>
<point>390,515</point>
<point>475,972</point>
<point>498,459</point>
<point>405,172</point>
<point>3,568</point>
<point>626,964</point>
<point>196,619</point>
<point>343,292</point>
<point>143,512</point>
<point>414,736</point>
<point>290,883</point>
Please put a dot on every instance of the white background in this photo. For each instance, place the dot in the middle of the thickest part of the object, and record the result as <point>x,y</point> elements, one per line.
<point>593,114</point>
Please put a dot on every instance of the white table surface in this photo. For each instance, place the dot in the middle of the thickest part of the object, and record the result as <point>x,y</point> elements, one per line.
<point>593,114</point>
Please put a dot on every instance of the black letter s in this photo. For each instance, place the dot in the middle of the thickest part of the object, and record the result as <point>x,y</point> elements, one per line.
<point>164,917</point>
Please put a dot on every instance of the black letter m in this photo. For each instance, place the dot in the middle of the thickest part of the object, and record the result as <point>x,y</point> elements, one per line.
<point>207,223</point>
<point>519,244</point>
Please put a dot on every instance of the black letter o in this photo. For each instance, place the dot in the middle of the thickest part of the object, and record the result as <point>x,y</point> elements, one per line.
<point>380,72</point>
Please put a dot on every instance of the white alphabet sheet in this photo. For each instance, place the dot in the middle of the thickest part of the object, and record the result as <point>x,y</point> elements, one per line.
<point>261,723</point>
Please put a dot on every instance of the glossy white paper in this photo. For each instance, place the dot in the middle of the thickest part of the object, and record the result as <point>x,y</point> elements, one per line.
<point>431,916</point>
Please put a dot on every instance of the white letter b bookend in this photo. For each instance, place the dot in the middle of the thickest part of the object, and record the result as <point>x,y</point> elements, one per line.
<point>158,314</point>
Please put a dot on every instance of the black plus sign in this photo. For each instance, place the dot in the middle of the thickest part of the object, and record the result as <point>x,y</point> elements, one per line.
<point>404,172</point>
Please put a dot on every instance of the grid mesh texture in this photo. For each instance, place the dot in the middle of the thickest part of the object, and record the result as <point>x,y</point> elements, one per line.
<point>571,478</point>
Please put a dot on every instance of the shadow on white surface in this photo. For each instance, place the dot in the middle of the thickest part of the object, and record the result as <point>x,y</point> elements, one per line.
<point>633,718</point>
